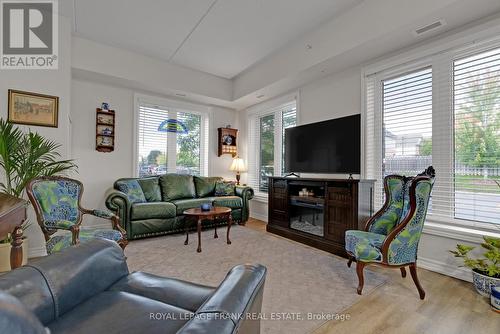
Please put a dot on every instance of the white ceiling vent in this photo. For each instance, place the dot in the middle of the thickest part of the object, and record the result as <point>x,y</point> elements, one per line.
<point>429,28</point>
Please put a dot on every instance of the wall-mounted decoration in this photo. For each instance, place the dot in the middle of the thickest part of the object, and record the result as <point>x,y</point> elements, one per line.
<point>105,130</point>
<point>32,108</point>
<point>227,141</point>
<point>172,125</point>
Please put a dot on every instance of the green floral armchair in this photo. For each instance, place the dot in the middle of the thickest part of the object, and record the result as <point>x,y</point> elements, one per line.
<point>56,201</point>
<point>392,235</point>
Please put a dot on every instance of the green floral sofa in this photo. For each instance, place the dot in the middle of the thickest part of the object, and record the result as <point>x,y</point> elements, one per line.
<point>153,206</point>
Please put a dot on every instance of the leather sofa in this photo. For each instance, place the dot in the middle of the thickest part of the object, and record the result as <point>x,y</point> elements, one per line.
<point>88,289</point>
<point>153,206</point>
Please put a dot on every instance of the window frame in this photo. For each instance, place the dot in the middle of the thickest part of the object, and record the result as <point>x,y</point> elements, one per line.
<point>175,107</point>
<point>441,60</point>
<point>254,114</point>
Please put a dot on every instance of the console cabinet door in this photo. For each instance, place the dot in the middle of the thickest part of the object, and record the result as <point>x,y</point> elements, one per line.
<point>278,203</point>
<point>338,213</point>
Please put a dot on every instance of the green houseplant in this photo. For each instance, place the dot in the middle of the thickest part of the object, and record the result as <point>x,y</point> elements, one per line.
<point>25,156</point>
<point>486,269</point>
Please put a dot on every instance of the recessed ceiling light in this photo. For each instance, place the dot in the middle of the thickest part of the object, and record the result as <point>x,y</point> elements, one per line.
<point>181,94</point>
<point>260,96</point>
<point>309,46</point>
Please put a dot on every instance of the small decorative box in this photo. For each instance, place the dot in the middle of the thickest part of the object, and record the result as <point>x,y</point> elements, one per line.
<point>206,207</point>
<point>495,298</point>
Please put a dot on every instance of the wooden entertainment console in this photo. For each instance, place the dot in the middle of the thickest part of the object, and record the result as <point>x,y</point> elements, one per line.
<point>319,220</point>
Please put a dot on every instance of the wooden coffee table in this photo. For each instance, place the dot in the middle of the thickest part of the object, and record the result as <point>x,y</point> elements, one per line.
<point>214,213</point>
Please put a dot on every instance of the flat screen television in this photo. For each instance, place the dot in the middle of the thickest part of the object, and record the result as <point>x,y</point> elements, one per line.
<point>330,147</point>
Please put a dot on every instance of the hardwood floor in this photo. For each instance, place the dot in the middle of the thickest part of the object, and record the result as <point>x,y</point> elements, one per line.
<point>450,306</point>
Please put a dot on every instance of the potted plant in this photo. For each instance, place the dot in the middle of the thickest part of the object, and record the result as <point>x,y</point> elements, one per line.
<point>486,269</point>
<point>23,157</point>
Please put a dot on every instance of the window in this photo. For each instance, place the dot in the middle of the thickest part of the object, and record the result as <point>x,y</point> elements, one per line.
<point>443,110</point>
<point>407,123</point>
<point>266,144</point>
<point>171,140</point>
<point>476,87</point>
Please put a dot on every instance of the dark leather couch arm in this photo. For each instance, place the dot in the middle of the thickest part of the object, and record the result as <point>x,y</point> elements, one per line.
<point>234,306</point>
<point>246,193</point>
<point>118,202</point>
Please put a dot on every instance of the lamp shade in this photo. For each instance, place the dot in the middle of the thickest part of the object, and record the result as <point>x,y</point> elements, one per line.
<point>238,165</point>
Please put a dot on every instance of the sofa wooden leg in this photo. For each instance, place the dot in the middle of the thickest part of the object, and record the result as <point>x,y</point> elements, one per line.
<point>403,272</point>
<point>413,272</point>
<point>359,270</point>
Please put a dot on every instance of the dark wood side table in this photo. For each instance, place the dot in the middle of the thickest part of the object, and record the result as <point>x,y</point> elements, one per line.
<point>12,217</point>
<point>214,213</point>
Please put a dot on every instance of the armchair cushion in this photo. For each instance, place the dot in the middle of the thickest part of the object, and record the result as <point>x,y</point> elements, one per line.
<point>59,242</point>
<point>132,189</point>
<point>205,186</point>
<point>153,210</point>
<point>177,186</point>
<point>120,312</point>
<point>186,295</point>
<point>364,246</point>
<point>233,202</point>
<point>103,213</point>
<point>224,188</point>
<point>151,188</point>
<point>57,199</point>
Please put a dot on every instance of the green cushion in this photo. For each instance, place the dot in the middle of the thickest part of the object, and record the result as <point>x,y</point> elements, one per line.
<point>205,186</point>
<point>177,186</point>
<point>184,204</point>
<point>153,210</point>
<point>132,189</point>
<point>151,189</point>
<point>224,188</point>
<point>364,246</point>
<point>59,242</point>
<point>233,202</point>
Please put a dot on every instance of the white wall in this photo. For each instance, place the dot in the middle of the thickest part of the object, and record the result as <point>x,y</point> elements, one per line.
<point>99,170</point>
<point>334,96</point>
<point>51,82</point>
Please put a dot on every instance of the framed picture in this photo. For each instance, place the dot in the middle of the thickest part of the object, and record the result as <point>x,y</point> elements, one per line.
<point>32,108</point>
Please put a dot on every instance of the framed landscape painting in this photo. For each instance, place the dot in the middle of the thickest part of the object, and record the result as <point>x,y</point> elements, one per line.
<point>32,108</point>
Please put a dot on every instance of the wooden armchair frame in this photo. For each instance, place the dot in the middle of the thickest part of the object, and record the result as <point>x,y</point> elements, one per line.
<point>360,265</point>
<point>74,229</point>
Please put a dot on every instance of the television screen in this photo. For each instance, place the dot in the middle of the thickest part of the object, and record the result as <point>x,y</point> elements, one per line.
<point>332,146</point>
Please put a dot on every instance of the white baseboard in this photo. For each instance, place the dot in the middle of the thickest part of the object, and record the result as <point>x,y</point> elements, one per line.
<point>445,269</point>
<point>259,216</point>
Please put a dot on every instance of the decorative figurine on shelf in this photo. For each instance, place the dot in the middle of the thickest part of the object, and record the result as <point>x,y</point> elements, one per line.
<point>206,207</point>
<point>107,131</point>
<point>105,106</point>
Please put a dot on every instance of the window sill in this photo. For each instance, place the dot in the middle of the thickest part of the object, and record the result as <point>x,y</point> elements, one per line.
<point>460,233</point>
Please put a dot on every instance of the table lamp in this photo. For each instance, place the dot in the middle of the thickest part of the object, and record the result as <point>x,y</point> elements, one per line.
<point>238,166</point>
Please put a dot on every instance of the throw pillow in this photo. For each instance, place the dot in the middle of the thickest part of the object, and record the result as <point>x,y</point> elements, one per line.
<point>151,188</point>
<point>177,186</point>
<point>205,186</point>
<point>224,188</point>
<point>132,189</point>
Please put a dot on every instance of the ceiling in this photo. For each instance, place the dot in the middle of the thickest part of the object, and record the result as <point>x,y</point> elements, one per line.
<point>220,37</point>
<point>237,53</point>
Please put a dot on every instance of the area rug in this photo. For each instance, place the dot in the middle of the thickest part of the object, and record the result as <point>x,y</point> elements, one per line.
<point>304,286</point>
